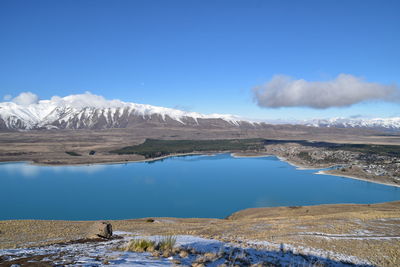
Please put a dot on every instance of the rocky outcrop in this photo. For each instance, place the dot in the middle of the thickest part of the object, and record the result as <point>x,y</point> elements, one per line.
<point>100,230</point>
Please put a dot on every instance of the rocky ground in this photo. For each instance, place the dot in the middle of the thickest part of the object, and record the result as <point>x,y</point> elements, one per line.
<point>326,235</point>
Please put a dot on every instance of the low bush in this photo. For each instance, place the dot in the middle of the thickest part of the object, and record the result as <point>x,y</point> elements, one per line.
<point>72,153</point>
<point>141,245</point>
<point>167,242</point>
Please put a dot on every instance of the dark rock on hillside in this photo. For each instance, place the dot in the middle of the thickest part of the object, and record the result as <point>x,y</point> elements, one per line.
<point>100,229</point>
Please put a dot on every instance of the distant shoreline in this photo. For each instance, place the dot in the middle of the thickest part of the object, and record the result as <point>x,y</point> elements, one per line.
<point>239,155</point>
<point>322,172</point>
<point>355,178</point>
<point>211,153</point>
<point>102,163</point>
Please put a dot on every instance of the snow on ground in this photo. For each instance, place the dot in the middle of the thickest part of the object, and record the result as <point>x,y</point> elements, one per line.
<point>324,255</point>
<point>107,254</point>
<point>359,235</point>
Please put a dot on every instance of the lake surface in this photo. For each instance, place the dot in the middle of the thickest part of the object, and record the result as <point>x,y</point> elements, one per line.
<point>190,186</point>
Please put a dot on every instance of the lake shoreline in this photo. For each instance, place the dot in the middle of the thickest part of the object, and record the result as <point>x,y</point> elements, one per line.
<point>239,155</point>
<point>321,172</point>
<point>324,172</point>
<point>210,153</point>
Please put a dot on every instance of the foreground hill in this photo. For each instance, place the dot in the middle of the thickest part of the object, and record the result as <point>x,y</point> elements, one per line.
<point>326,235</point>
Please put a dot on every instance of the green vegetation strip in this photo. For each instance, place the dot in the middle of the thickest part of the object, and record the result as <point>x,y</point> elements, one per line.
<point>153,148</point>
<point>72,153</point>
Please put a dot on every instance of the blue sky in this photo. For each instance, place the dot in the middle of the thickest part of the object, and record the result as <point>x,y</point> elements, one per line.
<point>203,56</point>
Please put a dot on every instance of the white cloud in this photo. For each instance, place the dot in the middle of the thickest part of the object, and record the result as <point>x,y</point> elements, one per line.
<point>87,100</point>
<point>78,101</point>
<point>345,90</point>
<point>25,99</point>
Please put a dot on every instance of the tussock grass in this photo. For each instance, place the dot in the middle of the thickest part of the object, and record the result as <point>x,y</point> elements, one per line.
<point>165,244</point>
<point>141,245</point>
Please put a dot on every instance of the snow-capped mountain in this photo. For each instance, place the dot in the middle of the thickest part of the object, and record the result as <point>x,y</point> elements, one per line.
<point>388,124</point>
<point>88,111</point>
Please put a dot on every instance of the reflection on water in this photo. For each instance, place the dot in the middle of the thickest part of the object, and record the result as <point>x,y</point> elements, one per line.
<point>29,170</point>
<point>23,169</point>
<point>189,186</point>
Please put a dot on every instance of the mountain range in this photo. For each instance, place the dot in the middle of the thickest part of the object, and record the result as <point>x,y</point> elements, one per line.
<point>386,124</point>
<point>88,111</point>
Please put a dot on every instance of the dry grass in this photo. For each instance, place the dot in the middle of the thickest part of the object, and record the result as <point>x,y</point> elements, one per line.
<point>166,242</point>
<point>277,225</point>
<point>140,245</point>
<point>183,254</point>
<point>165,245</point>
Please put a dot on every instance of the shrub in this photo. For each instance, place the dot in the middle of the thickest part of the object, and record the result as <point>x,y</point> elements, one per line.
<point>167,242</point>
<point>140,245</point>
<point>72,153</point>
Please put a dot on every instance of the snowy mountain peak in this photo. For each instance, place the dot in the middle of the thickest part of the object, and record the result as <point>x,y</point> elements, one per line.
<point>392,123</point>
<point>91,111</point>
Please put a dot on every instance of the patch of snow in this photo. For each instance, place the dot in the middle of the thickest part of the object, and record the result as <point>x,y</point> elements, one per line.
<point>362,235</point>
<point>338,257</point>
<point>102,253</point>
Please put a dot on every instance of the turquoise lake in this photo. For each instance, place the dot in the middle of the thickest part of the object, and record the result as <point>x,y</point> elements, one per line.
<point>190,186</point>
